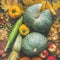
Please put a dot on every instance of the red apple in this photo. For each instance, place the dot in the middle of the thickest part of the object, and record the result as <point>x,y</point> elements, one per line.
<point>52,47</point>
<point>44,54</point>
<point>51,58</point>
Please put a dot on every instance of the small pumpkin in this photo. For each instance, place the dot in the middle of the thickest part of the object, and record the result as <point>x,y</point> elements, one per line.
<point>15,11</point>
<point>34,43</point>
<point>25,58</point>
<point>36,58</point>
<point>24,30</point>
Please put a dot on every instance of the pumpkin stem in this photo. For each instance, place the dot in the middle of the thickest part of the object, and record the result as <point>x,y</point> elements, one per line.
<point>35,50</point>
<point>36,15</point>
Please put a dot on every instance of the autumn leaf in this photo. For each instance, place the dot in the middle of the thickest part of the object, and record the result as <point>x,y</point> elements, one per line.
<point>31,2</point>
<point>56,5</point>
<point>6,4</point>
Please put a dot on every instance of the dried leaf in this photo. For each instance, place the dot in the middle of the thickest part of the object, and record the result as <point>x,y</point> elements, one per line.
<point>47,5</point>
<point>31,2</point>
<point>54,36</point>
<point>56,5</point>
<point>6,4</point>
<point>15,2</point>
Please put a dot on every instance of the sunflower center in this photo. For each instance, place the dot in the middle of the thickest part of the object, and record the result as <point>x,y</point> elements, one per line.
<point>13,11</point>
<point>24,31</point>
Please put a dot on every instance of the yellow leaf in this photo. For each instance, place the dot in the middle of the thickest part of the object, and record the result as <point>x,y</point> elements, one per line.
<point>31,2</point>
<point>7,3</point>
<point>47,5</point>
<point>56,5</point>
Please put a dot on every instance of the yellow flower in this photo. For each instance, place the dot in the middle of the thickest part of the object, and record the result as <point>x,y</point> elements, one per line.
<point>24,30</point>
<point>15,11</point>
<point>56,5</point>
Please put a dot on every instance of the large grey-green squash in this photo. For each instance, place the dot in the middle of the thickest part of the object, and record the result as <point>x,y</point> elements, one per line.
<point>39,21</point>
<point>34,43</point>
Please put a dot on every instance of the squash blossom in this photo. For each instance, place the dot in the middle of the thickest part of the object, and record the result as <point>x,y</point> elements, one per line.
<point>24,30</point>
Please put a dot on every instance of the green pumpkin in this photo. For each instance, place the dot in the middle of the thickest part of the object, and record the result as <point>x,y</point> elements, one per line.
<point>39,21</point>
<point>34,43</point>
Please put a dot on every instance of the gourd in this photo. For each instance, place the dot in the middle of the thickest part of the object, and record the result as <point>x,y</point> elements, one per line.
<point>16,48</point>
<point>17,44</point>
<point>36,58</point>
<point>34,43</point>
<point>13,33</point>
<point>39,21</point>
<point>25,58</point>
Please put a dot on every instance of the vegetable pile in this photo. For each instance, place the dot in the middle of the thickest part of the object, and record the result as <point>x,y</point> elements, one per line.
<point>29,30</point>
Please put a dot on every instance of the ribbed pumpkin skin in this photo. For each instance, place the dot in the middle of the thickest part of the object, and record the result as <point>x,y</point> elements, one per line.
<point>39,21</point>
<point>33,41</point>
